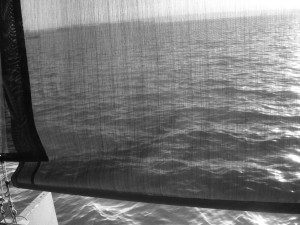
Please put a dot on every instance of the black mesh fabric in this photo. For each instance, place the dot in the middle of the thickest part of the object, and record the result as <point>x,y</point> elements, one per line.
<point>23,143</point>
<point>138,100</point>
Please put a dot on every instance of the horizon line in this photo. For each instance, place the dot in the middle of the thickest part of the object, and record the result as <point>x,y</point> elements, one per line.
<point>181,18</point>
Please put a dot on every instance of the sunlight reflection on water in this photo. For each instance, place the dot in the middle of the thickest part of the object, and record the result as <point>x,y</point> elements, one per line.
<point>293,157</point>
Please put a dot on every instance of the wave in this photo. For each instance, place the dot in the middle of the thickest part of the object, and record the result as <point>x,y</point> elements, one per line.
<point>277,95</point>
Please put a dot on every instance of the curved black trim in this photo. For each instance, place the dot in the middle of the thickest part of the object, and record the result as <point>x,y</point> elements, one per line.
<point>18,157</point>
<point>269,207</point>
<point>34,172</point>
<point>16,86</point>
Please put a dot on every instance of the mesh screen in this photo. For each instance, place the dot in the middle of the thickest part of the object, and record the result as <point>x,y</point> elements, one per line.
<point>192,103</point>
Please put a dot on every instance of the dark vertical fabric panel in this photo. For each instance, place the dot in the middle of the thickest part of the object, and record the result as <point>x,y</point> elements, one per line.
<point>17,87</point>
<point>3,140</point>
<point>7,146</point>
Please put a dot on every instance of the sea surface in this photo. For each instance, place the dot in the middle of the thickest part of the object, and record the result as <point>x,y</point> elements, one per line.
<point>218,95</point>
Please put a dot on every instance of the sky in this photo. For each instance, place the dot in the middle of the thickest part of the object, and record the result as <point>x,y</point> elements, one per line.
<point>46,14</point>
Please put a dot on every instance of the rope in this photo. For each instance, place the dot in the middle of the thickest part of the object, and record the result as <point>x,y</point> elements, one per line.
<point>13,211</point>
<point>2,200</point>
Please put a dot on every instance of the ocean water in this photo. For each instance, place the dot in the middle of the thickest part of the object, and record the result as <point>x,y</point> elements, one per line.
<point>219,97</point>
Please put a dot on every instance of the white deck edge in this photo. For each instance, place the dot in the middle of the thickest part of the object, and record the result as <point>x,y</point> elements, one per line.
<point>40,211</point>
